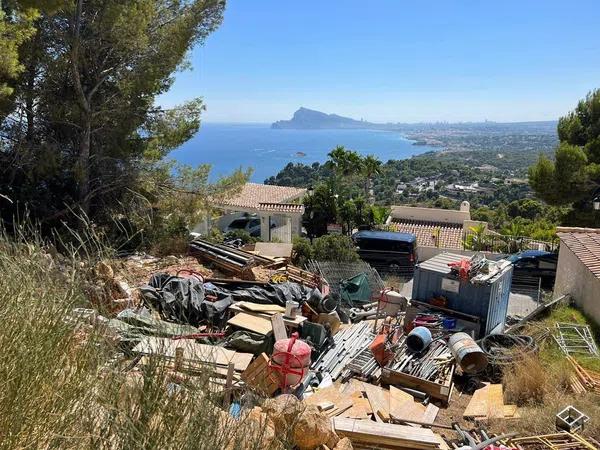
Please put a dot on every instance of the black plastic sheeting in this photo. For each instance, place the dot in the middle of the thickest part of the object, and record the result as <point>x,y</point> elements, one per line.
<point>272,294</point>
<point>183,300</point>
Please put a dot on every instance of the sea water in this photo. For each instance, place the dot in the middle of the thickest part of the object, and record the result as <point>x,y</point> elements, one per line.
<point>230,146</point>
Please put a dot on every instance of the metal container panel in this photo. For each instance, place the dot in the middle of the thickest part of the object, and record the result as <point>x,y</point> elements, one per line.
<point>488,301</point>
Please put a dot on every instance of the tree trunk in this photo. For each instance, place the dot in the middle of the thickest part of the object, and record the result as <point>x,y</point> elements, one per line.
<point>83,162</point>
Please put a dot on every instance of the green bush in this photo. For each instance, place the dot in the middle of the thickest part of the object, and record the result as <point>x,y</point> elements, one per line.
<point>334,247</point>
<point>302,251</point>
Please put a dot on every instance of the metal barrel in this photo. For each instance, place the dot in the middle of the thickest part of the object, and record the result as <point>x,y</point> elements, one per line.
<point>467,353</point>
<point>418,339</point>
<point>327,304</point>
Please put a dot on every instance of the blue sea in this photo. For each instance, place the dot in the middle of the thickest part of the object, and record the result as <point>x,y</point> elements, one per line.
<point>267,151</point>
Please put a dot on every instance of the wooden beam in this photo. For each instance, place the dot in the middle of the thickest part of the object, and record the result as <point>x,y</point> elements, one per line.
<point>278,325</point>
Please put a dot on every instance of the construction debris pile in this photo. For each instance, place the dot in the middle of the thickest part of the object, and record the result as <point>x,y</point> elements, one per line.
<point>343,363</point>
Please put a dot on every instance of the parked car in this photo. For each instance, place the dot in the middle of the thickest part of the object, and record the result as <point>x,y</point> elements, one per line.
<point>388,251</point>
<point>251,224</point>
<point>535,265</point>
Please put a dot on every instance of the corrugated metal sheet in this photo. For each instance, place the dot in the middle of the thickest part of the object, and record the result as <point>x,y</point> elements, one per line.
<point>488,301</point>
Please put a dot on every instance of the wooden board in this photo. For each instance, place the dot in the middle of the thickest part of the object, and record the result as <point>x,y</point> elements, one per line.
<point>259,376</point>
<point>361,408</point>
<point>273,249</point>
<point>261,325</point>
<point>404,407</point>
<point>258,307</point>
<point>487,403</point>
<point>288,322</point>
<point>193,352</point>
<point>279,331</point>
<point>431,413</point>
<point>379,399</point>
<point>384,434</point>
<point>330,394</point>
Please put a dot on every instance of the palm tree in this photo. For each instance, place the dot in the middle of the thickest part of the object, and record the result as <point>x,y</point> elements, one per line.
<point>476,239</point>
<point>339,160</point>
<point>371,166</point>
<point>514,236</point>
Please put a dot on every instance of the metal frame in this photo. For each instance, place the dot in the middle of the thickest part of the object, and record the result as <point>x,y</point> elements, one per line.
<point>573,338</point>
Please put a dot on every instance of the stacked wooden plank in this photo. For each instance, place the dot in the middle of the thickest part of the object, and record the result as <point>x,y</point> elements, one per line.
<point>583,380</point>
<point>359,400</point>
<point>188,355</point>
<point>368,435</point>
<point>228,259</point>
<point>304,277</point>
<point>488,403</point>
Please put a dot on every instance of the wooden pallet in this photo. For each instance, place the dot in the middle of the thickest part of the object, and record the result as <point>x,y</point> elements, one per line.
<point>260,377</point>
<point>441,390</point>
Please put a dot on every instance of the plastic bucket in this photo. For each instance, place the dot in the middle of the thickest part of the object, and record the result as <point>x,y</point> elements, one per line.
<point>449,323</point>
<point>418,339</point>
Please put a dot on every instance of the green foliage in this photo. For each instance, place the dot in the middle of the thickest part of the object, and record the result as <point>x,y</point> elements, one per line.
<point>243,235</point>
<point>573,178</point>
<point>302,251</point>
<point>90,138</point>
<point>334,247</point>
<point>329,247</point>
<point>320,210</point>
<point>378,214</point>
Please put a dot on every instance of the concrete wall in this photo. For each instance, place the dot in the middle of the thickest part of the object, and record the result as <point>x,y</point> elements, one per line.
<point>572,277</point>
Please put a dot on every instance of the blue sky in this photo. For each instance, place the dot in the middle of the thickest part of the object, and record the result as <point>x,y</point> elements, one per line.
<point>396,60</point>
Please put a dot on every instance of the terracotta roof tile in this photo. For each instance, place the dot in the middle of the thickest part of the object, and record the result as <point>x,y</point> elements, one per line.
<point>450,235</point>
<point>282,207</point>
<point>253,194</point>
<point>586,247</point>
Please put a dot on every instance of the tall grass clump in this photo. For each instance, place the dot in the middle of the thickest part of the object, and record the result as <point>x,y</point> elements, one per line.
<point>58,390</point>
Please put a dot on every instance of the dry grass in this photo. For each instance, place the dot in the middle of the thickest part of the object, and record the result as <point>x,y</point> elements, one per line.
<point>530,382</point>
<point>56,391</point>
<point>539,384</point>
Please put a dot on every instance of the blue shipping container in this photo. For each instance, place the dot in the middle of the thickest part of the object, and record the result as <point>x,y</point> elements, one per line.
<point>487,300</point>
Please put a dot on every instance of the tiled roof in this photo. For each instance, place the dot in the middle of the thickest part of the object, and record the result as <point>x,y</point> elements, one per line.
<point>450,235</point>
<point>282,207</point>
<point>585,244</point>
<point>253,194</point>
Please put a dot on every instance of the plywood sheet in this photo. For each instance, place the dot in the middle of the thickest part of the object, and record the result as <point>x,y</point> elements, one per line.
<point>379,399</point>
<point>404,407</point>
<point>273,249</point>
<point>258,307</point>
<point>361,408</point>
<point>261,325</point>
<point>431,413</point>
<point>488,402</point>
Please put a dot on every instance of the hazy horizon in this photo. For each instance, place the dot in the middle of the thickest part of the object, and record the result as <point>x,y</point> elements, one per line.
<point>392,61</point>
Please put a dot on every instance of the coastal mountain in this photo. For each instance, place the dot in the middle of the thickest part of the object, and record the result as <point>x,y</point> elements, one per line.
<point>309,119</point>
